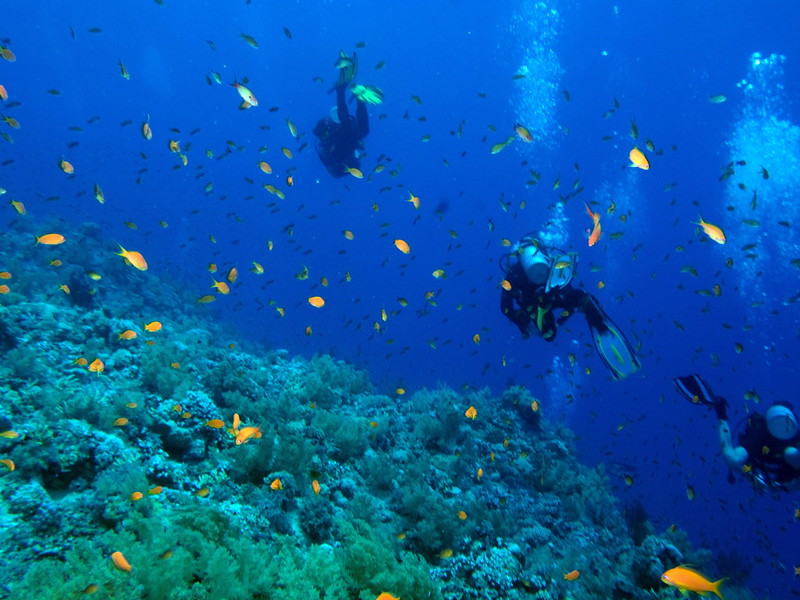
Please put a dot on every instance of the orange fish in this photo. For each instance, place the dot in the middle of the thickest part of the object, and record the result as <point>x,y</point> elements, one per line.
<point>506,285</point>
<point>128,334</point>
<point>462,515</point>
<point>8,464</point>
<point>245,433</point>
<point>385,596</point>
<point>202,492</point>
<point>136,496</point>
<point>276,484</point>
<point>414,200</point>
<point>119,561</point>
<point>232,275</point>
<point>221,286</point>
<point>4,289</point>
<point>3,93</point>
<point>153,326</point>
<point>9,435</point>
<point>523,133</point>
<point>155,491</point>
<point>471,413</point>
<point>216,423</point>
<point>316,301</point>
<point>121,422</point>
<point>133,258</point>
<point>596,230</point>
<point>686,579</point>
<point>354,172</point>
<point>572,575</point>
<point>265,166</point>
<point>51,239</point>
<point>402,246</point>
<point>712,231</point>
<point>315,487</point>
<point>66,166</point>
<point>638,159</point>
<point>97,366</point>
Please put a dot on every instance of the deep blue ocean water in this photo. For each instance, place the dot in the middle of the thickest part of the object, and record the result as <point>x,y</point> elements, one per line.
<point>661,62</point>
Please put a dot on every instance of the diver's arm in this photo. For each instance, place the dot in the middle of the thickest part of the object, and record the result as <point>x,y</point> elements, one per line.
<point>516,315</point>
<point>362,120</point>
<point>341,106</point>
<point>736,457</point>
<point>571,300</point>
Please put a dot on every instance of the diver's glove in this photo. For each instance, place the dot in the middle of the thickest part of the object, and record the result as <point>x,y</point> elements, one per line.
<point>367,93</point>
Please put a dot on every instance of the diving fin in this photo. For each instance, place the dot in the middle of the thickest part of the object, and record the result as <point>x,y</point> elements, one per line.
<point>613,348</point>
<point>348,68</point>
<point>695,389</point>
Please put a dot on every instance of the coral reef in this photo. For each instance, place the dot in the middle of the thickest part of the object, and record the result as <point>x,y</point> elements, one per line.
<point>413,498</point>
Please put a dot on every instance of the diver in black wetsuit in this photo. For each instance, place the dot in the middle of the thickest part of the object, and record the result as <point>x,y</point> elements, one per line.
<point>769,447</point>
<point>538,281</point>
<point>340,135</point>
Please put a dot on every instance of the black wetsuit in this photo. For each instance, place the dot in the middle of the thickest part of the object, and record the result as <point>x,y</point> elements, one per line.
<point>765,452</point>
<point>338,142</point>
<point>524,302</point>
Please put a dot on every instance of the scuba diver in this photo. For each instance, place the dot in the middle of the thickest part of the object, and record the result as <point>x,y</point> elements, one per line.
<point>538,280</point>
<point>340,135</point>
<point>768,447</point>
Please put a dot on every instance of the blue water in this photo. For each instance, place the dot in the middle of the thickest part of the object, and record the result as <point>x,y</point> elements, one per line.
<point>660,62</point>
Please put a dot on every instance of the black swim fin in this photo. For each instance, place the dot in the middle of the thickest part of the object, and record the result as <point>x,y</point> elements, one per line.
<point>695,389</point>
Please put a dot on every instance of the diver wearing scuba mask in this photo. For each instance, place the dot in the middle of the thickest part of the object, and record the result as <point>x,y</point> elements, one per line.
<point>769,447</point>
<point>538,280</point>
<point>340,135</point>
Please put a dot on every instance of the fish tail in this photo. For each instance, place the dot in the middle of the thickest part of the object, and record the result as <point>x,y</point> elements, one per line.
<point>715,587</point>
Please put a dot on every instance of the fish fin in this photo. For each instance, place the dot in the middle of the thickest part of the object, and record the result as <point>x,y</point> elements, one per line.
<point>715,587</point>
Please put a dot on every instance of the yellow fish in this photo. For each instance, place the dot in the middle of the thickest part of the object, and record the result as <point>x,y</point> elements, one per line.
<point>638,159</point>
<point>248,97</point>
<point>689,580</point>
<point>712,231</point>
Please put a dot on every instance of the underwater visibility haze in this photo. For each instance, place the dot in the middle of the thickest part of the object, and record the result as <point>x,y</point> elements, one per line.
<point>271,319</point>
